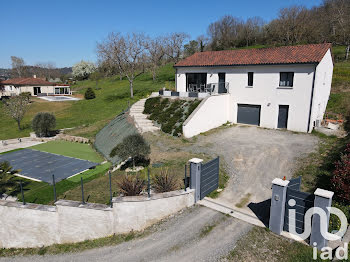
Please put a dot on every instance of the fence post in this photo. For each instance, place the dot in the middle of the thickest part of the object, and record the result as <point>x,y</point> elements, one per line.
<point>54,187</point>
<point>20,183</point>
<point>110,188</point>
<point>148,184</point>
<point>278,205</point>
<point>195,171</point>
<point>82,190</point>
<point>185,180</point>
<point>323,199</point>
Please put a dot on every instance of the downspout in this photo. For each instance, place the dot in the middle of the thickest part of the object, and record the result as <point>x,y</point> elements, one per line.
<point>311,100</point>
<point>176,79</point>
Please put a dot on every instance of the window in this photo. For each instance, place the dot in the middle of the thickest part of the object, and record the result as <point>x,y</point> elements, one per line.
<point>286,79</point>
<point>250,78</point>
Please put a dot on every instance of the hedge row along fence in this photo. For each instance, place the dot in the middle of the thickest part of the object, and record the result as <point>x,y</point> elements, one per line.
<point>170,114</point>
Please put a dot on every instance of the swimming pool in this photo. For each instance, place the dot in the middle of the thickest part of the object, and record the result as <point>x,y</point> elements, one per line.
<point>59,98</point>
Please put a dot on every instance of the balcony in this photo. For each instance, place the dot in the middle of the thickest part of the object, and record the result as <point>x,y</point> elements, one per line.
<point>211,88</point>
<point>199,91</point>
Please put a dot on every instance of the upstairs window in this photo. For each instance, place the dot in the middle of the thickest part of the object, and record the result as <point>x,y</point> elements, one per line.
<point>286,79</point>
<point>250,78</point>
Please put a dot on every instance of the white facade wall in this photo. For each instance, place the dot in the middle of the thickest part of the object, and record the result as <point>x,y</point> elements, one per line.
<point>43,89</point>
<point>12,90</point>
<point>35,225</point>
<point>212,112</point>
<point>267,93</point>
<point>322,88</point>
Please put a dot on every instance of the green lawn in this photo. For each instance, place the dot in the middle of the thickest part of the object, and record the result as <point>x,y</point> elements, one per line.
<point>71,149</point>
<point>88,116</point>
<point>91,172</point>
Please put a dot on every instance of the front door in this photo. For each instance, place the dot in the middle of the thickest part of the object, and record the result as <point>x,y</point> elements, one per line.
<point>282,116</point>
<point>37,90</point>
<point>222,80</point>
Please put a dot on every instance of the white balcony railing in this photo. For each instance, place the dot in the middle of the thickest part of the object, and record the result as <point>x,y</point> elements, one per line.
<point>212,88</point>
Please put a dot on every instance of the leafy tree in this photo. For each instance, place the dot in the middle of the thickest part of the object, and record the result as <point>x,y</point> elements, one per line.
<point>192,47</point>
<point>341,177</point>
<point>8,184</point>
<point>16,107</point>
<point>134,146</point>
<point>83,69</point>
<point>89,94</point>
<point>43,123</point>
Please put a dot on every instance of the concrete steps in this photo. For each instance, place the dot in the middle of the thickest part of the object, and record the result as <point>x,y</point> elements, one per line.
<point>141,122</point>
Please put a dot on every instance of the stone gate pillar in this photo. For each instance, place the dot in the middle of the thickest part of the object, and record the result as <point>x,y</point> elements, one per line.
<point>195,173</point>
<point>323,199</point>
<point>278,204</point>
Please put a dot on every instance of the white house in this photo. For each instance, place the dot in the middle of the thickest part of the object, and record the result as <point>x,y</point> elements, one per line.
<point>35,86</point>
<point>283,87</point>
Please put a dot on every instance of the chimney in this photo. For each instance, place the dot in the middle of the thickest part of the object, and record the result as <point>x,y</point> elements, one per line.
<point>34,76</point>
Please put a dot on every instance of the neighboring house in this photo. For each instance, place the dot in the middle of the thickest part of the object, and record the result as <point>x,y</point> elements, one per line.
<point>35,86</point>
<point>283,87</point>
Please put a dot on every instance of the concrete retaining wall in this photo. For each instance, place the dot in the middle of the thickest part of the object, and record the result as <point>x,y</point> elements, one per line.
<point>35,225</point>
<point>212,112</point>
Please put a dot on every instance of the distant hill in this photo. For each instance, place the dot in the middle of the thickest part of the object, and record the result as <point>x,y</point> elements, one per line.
<point>5,73</point>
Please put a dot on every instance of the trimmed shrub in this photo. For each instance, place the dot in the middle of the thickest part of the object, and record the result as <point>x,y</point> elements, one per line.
<point>170,114</point>
<point>43,124</point>
<point>131,185</point>
<point>89,94</point>
<point>134,146</point>
<point>164,181</point>
<point>26,95</point>
<point>150,104</point>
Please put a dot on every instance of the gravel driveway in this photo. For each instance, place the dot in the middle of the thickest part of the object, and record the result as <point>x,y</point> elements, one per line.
<point>184,237</point>
<point>254,157</point>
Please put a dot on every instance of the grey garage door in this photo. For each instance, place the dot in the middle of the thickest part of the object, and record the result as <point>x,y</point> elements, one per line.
<point>249,114</point>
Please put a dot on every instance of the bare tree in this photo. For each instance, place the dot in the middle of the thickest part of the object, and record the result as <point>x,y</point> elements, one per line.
<point>156,50</point>
<point>127,52</point>
<point>251,30</point>
<point>174,45</point>
<point>224,33</point>
<point>18,66</point>
<point>45,70</point>
<point>16,107</point>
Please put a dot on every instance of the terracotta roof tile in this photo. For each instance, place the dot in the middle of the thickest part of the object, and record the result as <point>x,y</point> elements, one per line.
<point>278,55</point>
<point>27,81</point>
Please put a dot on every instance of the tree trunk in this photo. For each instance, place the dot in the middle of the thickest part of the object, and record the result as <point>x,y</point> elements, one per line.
<point>154,75</point>
<point>347,52</point>
<point>19,124</point>
<point>133,163</point>
<point>131,89</point>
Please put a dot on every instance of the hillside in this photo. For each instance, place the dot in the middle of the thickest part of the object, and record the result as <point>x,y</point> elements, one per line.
<point>87,117</point>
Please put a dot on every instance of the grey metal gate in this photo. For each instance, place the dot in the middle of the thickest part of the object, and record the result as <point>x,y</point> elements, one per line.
<point>209,180</point>
<point>303,201</point>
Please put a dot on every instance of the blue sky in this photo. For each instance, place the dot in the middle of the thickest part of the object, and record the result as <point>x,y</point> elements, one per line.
<point>65,32</point>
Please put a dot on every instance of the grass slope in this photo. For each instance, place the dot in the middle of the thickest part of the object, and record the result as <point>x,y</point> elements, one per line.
<point>65,148</point>
<point>88,116</point>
